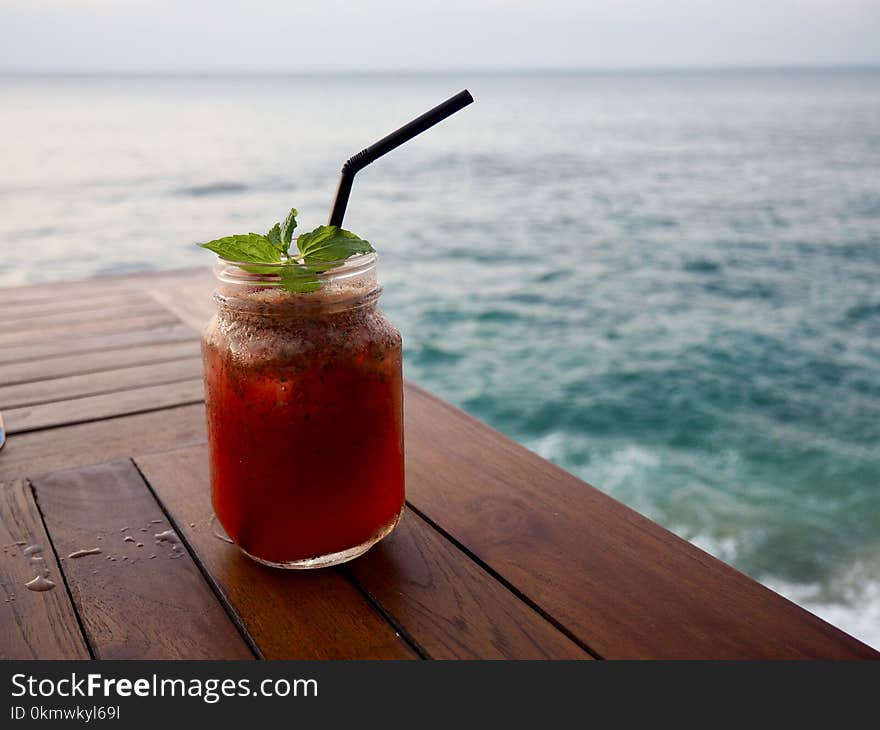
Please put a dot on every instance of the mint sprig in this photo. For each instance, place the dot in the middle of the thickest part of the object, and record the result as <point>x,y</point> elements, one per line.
<point>317,251</point>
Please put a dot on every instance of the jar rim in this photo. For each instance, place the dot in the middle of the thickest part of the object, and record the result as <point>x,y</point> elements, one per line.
<point>347,284</point>
<point>235,272</point>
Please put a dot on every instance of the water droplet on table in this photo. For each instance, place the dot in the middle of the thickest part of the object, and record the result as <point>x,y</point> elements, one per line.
<point>83,553</point>
<point>40,583</point>
<point>218,531</point>
<point>170,537</point>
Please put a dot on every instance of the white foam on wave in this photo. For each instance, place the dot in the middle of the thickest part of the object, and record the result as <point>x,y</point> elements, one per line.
<point>861,620</point>
<point>851,601</point>
<point>625,464</point>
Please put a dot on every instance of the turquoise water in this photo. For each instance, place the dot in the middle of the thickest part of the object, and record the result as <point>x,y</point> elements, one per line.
<point>668,283</point>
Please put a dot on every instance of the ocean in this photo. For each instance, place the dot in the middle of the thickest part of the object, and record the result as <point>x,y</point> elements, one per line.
<point>666,282</point>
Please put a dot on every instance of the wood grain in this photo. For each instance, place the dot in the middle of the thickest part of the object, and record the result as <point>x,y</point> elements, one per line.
<point>64,293</point>
<point>132,606</point>
<point>108,381</point>
<point>95,362</point>
<point>62,346</point>
<point>191,302</point>
<point>70,333</point>
<point>16,329</point>
<point>97,304</point>
<point>108,405</point>
<point>39,452</point>
<point>59,294</point>
<point>623,585</point>
<point>451,606</point>
<point>33,625</point>
<point>313,614</point>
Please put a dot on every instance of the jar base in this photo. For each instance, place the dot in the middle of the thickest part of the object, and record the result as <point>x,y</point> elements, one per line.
<point>330,559</point>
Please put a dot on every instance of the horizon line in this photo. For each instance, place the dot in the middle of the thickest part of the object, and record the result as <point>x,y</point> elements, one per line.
<point>488,70</point>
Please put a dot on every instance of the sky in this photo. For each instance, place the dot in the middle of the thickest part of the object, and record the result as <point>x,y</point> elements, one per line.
<point>401,35</point>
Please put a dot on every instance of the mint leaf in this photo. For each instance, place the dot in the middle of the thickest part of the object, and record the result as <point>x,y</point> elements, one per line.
<point>297,278</point>
<point>274,236</point>
<point>250,247</point>
<point>320,250</point>
<point>287,229</point>
<point>329,243</point>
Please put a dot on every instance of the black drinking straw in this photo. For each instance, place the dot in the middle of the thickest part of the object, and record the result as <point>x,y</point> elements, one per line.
<point>386,144</point>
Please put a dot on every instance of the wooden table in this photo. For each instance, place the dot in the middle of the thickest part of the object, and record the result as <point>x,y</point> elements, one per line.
<point>500,553</point>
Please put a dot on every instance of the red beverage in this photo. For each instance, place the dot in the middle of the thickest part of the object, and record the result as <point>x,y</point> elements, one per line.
<point>304,401</point>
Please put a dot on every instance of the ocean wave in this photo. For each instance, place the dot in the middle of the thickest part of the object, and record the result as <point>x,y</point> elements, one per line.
<point>859,617</point>
<point>218,188</point>
<point>742,528</point>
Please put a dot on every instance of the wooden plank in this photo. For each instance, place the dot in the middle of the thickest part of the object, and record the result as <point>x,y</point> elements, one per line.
<point>94,362</point>
<point>109,381</point>
<point>33,624</point>
<point>67,333</point>
<point>65,346</point>
<point>100,301</point>
<point>132,606</point>
<point>623,585</point>
<point>290,614</point>
<point>62,292</point>
<point>190,301</point>
<point>59,293</point>
<point>451,606</point>
<point>39,452</point>
<point>57,321</point>
<point>108,405</point>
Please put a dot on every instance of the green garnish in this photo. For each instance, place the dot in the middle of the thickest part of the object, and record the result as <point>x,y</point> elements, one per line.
<point>317,251</point>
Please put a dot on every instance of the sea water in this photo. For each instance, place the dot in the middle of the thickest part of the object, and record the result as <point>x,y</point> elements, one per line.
<point>667,283</point>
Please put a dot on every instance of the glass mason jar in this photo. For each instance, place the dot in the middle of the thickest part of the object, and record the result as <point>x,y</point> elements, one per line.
<point>304,397</point>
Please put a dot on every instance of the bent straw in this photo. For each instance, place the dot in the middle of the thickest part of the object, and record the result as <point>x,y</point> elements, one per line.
<point>386,144</point>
